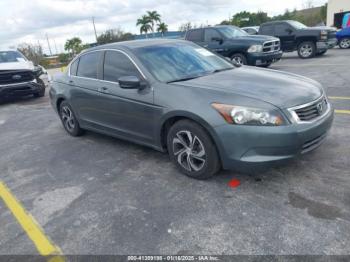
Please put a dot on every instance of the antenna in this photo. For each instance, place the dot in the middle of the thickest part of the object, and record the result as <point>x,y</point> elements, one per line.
<point>93,22</point>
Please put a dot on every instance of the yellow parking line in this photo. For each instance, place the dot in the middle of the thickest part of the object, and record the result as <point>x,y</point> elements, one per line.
<point>30,226</point>
<point>340,97</point>
<point>342,111</point>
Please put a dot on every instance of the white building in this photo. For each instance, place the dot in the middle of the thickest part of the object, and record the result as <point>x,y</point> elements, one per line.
<point>336,10</point>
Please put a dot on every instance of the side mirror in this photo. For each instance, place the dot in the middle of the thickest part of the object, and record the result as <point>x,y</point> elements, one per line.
<point>129,82</point>
<point>289,31</point>
<point>218,39</point>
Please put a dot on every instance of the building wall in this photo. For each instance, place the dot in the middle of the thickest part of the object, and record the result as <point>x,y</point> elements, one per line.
<point>336,6</point>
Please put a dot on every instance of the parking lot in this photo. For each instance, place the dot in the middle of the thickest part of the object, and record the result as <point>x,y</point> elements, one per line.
<point>99,195</point>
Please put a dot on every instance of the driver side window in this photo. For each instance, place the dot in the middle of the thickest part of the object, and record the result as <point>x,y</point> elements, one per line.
<point>209,34</point>
<point>116,65</point>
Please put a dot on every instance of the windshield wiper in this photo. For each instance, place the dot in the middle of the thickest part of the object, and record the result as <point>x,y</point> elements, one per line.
<point>184,79</point>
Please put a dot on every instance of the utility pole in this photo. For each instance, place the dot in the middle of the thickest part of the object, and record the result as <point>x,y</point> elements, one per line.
<point>93,22</point>
<point>54,41</point>
<point>48,43</point>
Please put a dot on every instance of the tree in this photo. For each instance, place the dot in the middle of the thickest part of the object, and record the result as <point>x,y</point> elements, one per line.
<point>162,28</point>
<point>73,45</point>
<point>154,18</point>
<point>186,26</point>
<point>33,52</point>
<point>113,35</point>
<point>145,24</point>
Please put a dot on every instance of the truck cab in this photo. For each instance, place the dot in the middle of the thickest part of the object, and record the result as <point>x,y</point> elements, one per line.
<point>237,45</point>
<point>308,41</point>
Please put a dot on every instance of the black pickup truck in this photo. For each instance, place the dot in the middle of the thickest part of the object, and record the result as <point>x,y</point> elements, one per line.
<point>236,44</point>
<point>308,41</point>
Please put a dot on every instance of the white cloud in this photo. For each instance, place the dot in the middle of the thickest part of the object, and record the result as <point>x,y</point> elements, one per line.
<point>30,21</point>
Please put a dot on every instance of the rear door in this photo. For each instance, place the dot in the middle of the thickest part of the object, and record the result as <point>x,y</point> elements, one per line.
<point>126,112</point>
<point>84,78</point>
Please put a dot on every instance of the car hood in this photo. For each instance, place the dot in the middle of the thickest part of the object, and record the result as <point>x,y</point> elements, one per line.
<point>259,39</point>
<point>281,89</point>
<point>20,65</point>
<point>318,28</point>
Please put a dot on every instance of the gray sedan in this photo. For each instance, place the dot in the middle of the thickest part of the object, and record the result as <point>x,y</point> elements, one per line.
<point>175,96</point>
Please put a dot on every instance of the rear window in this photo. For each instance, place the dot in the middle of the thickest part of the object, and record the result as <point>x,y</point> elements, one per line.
<point>74,67</point>
<point>267,30</point>
<point>195,35</point>
<point>88,65</point>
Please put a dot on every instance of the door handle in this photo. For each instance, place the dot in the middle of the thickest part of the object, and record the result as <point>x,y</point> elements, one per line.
<point>205,46</point>
<point>71,81</point>
<point>103,89</point>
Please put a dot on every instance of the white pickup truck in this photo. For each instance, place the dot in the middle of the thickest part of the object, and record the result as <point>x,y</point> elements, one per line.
<point>19,76</point>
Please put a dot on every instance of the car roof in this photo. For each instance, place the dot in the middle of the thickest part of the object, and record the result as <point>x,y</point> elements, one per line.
<point>277,21</point>
<point>132,44</point>
<point>216,26</point>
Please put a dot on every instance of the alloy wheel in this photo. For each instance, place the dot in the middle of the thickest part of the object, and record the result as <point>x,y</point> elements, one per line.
<point>68,118</point>
<point>189,150</point>
<point>238,60</point>
<point>345,43</point>
<point>306,50</point>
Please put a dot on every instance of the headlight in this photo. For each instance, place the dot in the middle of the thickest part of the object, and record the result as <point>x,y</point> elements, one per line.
<point>239,115</point>
<point>255,49</point>
<point>324,35</point>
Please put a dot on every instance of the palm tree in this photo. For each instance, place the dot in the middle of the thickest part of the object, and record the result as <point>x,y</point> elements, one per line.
<point>145,24</point>
<point>162,28</point>
<point>154,18</point>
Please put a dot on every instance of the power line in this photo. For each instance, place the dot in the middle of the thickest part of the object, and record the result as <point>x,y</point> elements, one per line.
<point>93,22</point>
<point>48,43</point>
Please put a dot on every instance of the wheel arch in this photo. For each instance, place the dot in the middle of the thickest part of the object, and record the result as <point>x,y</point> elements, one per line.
<point>171,118</point>
<point>306,39</point>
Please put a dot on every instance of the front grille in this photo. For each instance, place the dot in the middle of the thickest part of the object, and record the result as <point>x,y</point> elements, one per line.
<point>15,76</point>
<point>271,46</point>
<point>313,110</point>
<point>313,143</point>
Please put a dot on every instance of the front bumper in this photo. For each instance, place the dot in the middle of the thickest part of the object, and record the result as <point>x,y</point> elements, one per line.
<point>247,148</point>
<point>258,59</point>
<point>324,45</point>
<point>21,89</point>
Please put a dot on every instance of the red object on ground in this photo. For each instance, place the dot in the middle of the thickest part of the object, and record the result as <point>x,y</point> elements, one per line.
<point>234,183</point>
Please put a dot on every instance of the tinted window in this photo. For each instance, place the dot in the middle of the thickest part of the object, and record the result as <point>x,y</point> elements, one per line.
<point>250,31</point>
<point>74,67</point>
<point>232,31</point>
<point>195,35</point>
<point>267,30</point>
<point>209,34</point>
<point>280,29</point>
<point>116,65</point>
<point>88,65</point>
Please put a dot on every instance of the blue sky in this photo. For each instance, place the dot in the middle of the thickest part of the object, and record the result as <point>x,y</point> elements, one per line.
<point>30,20</point>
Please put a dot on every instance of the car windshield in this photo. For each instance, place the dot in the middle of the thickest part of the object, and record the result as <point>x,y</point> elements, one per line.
<point>11,56</point>
<point>297,25</point>
<point>180,62</point>
<point>232,31</point>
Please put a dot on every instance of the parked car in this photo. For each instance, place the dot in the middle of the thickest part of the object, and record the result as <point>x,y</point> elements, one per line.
<point>175,96</point>
<point>19,76</point>
<point>237,45</point>
<point>308,41</point>
<point>343,37</point>
<point>251,30</point>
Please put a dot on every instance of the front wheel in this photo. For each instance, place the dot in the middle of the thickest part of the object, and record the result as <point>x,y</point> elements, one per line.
<point>69,120</point>
<point>306,49</point>
<point>192,150</point>
<point>344,43</point>
<point>239,59</point>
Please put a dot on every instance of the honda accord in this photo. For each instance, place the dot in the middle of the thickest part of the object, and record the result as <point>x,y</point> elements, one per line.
<point>180,98</point>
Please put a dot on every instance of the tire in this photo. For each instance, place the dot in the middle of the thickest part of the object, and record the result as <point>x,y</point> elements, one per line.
<point>41,93</point>
<point>306,49</point>
<point>239,59</point>
<point>192,150</point>
<point>344,43</point>
<point>321,53</point>
<point>69,120</point>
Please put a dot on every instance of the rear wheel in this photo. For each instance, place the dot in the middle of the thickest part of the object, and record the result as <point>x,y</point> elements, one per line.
<point>306,49</point>
<point>344,43</point>
<point>69,120</point>
<point>239,59</point>
<point>192,150</point>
